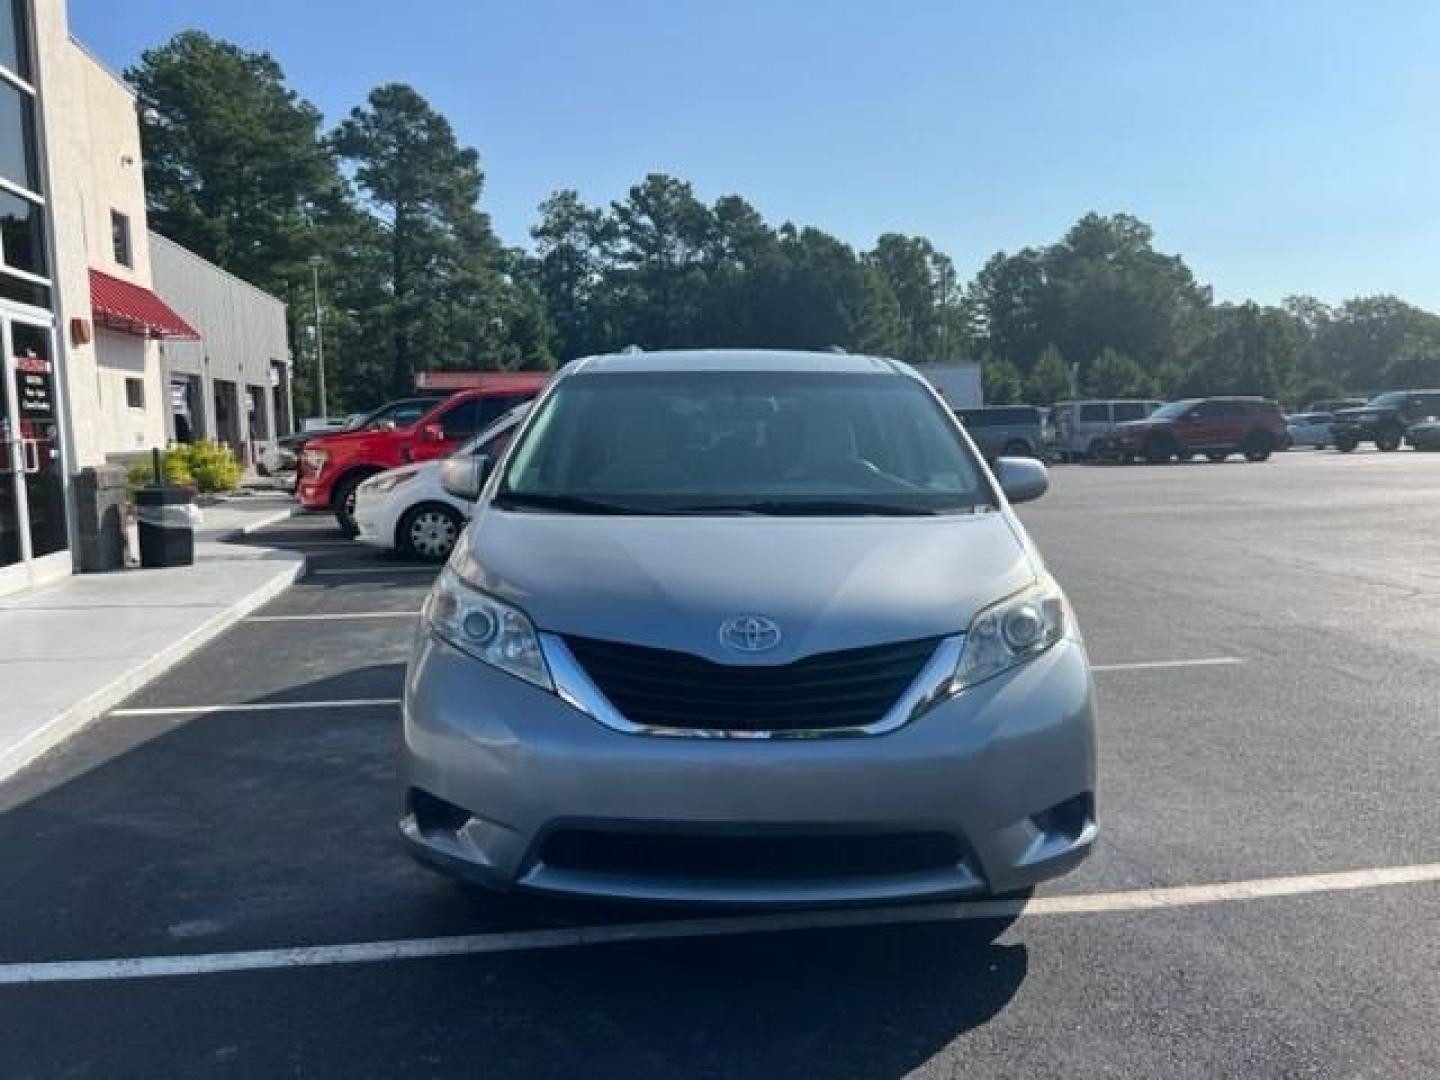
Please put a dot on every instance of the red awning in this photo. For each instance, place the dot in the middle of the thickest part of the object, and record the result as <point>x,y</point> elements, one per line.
<point>134,309</point>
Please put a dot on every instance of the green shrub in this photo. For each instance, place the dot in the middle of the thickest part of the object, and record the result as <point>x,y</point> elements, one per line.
<point>213,466</point>
<point>173,464</point>
<point>206,466</point>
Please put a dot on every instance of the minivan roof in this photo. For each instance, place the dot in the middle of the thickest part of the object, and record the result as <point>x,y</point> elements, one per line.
<point>669,360</point>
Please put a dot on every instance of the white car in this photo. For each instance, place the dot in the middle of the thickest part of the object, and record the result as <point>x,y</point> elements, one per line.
<point>1310,429</point>
<point>407,511</point>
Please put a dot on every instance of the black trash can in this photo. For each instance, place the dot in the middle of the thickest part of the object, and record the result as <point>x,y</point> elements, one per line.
<point>165,516</point>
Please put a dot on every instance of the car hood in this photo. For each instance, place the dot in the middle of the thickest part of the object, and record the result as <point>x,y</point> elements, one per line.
<point>342,438</point>
<point>670,582</point>
<point>388,474</point>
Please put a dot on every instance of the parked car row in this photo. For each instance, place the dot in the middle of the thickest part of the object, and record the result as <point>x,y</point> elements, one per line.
<point>1387,420</point>
<point>410,511</point>
<point>333,466</point>
<point>381,476</point>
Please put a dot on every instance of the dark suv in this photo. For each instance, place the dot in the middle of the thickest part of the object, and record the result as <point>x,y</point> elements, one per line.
<point>1216,427</point>
<point>1383,421</point>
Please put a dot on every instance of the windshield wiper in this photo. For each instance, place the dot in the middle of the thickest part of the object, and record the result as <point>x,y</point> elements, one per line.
<point>817,508</point>
<point>565,504</point>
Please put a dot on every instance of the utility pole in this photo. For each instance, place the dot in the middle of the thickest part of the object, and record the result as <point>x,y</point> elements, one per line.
<point>944,313</point>
<point>319,340</point>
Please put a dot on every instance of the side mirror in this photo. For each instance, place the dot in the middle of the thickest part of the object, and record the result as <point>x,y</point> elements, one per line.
<point>432,433</point>
<point>464,475</point>
<point>1021,479</point>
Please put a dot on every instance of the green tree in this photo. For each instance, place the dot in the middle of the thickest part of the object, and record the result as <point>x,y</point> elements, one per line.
<point>1000,381</point>
<point>921,280</point>
<point>235,166</point>
<point>449,296</point>
<point>1416,363</point>
<point>1103,285</point>
<point>663,235</point>
<point>1049,379</point>
<point>1115,375</point>
<point>1362,338</point>
<point>1249,349</point>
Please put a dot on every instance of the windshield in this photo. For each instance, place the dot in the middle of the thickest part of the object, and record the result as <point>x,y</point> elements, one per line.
<point>1393,399</point>
<point>400,413</point>
<point>816,443</point>
<point>1172,411</point>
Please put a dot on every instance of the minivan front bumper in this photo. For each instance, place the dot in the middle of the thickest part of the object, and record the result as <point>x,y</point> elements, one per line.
<point>987,792</point>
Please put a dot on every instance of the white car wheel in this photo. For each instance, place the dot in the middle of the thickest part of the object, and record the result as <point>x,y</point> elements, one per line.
<point>429,532</point>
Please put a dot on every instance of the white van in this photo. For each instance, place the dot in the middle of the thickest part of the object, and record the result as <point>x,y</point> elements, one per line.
<point>1077,427</point>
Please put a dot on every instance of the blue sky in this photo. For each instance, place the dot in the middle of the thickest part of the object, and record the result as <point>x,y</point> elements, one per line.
<point>1280,148</point>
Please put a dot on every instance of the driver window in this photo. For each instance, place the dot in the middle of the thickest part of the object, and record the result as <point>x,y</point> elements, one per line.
<point>462,421</point>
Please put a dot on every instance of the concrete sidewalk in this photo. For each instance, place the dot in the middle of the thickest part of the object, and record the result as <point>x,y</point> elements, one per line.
<point>76,648</point>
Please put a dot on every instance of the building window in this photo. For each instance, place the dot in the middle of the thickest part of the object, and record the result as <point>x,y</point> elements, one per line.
<point>14,41</point>
<point>135,393</point>
<point>17,138</point>
<point>22,236</point>
<point>120,237</point>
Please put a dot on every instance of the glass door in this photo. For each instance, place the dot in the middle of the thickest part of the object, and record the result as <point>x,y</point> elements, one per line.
<point>38,404</point>
<point>32,470</point>
<point>12,550</point>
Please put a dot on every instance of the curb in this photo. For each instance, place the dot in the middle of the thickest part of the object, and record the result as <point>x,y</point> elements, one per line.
<point>77,716</point>
<point>253,526</point>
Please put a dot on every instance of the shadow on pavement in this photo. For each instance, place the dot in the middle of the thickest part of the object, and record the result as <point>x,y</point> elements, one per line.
<point>870,1004</point>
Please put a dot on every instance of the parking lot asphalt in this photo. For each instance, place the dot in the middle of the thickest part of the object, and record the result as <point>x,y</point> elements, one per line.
<point>1268,648</point>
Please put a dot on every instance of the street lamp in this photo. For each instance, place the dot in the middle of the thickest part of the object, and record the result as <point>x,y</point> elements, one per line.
<point>319,340</point>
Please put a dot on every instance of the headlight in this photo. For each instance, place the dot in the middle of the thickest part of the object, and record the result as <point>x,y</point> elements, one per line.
<point>315,461</point>
<point>387,482</point>
<point>1011,632</point>
<point>488,630</point>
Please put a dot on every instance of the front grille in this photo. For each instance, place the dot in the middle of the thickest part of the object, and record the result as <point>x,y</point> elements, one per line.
<point>756,857</point>
<point>661,688</point>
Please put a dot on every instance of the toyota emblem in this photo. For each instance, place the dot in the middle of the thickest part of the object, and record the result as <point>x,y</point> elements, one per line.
<point>749,633</point>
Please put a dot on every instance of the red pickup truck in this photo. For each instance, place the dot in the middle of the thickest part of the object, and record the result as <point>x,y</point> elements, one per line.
<point>332,466</point>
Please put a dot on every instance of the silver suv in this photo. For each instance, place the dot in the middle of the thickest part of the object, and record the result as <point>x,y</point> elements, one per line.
<point>747,628</point>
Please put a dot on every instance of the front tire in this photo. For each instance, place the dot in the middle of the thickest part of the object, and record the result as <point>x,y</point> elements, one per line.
<point>429,532</point>
<point>1389,440</point>
<point>1160,450</point>
<point>1216,458</point>
<point>343,500</point>
<point>1258,446</point>
<point>1346,443</point>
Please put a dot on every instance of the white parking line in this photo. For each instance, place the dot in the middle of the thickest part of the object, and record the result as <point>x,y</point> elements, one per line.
<point>1158,665</point>
<point>257,706</point>
<point>328,616</point>
<point>375,570</point>
<point>371,952</point>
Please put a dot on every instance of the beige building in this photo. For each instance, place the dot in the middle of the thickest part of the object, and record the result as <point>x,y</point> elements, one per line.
<point>83,379</point>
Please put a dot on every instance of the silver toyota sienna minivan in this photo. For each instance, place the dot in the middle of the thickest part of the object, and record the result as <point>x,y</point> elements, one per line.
<point>743,627</point>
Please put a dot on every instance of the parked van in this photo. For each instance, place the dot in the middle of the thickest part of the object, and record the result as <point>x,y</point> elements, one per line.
<point>1079,428</point>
